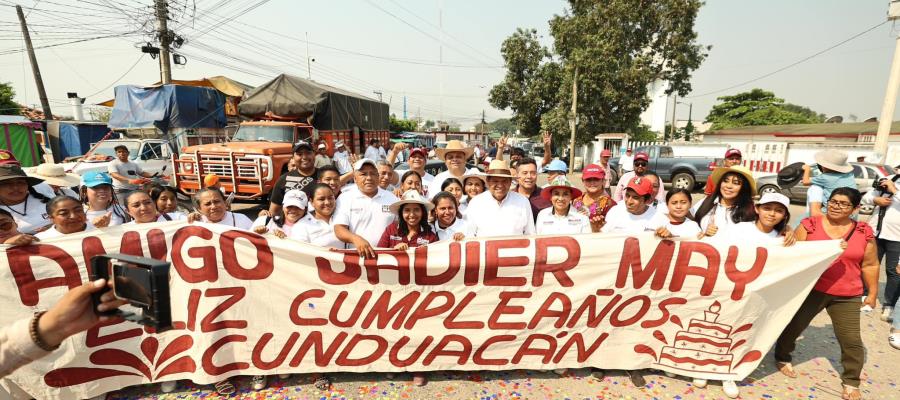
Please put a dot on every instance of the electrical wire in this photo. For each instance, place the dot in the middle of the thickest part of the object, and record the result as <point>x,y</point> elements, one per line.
<point>119,78</point>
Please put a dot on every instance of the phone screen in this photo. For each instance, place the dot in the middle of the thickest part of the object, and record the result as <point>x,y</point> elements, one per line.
<point>132,282</point>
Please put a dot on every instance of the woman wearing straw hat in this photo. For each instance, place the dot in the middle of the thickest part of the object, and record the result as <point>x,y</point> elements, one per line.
<point>561,218</point>
<point>454,155</point>
<point>410,230</point>
<point>56,176</point>
<point>474,183</point>
<point>731,202</point>
<point>19,197</point>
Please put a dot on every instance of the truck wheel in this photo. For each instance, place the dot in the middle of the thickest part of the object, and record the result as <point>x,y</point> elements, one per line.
<point>683,180</point>
<point>769,189</point>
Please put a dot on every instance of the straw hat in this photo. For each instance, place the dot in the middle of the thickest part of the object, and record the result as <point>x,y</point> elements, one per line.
<point>454,145</point>
<point>718,173</point>
<point>411,196</point>
<point>498,168</point>
<point>834,160</point>
<point>474,173</point>
<point>54,174</point>
<point>559,182</point>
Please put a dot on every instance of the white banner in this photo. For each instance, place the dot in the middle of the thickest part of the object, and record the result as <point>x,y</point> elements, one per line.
<point>246,304</point>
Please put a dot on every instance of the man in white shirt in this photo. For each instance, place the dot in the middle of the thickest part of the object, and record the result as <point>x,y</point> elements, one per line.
<point>322,158</point>
<point>382,151</point>
<point>886,221</point>
<point>127,176</point>
<point>416,162</point>
<point>454,155</point>
<point>362,215</point>
<point>634,215</point>
<point>372,151</point>
<point>342,157</point>
<point>497,211</point>
<point>639,165</point>
<point>626,161</point>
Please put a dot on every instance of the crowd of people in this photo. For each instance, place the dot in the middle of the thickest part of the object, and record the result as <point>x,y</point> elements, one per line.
<point>364,204</point>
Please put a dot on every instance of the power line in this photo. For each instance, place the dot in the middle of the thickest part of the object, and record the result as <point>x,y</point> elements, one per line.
<point>119,78</point>
<point>798,62</point>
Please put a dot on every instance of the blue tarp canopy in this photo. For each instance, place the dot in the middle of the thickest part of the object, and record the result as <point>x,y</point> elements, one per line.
<point>72,138</point>
<point>168,106</point>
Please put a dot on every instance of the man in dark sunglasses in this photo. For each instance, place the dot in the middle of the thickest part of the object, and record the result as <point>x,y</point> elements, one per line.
<point>639,164</point>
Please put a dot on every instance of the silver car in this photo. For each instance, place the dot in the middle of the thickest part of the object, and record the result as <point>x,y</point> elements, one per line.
<point>865,174</point>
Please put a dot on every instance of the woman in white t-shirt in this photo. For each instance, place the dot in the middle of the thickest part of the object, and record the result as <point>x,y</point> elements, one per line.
<point>211,208</point>
<point>561,218</point>
<point>317,227</point>
<point>143,210</point>
<point>474,183</point>
<point>448,222</point>
<point>293,208</point>
<point>166,199</point>
<point>19,197</point>
<point>101,205</point>
<point>67,215</point>
<point>674,220</point>
<point>770,225</point>
<point>731,203</point>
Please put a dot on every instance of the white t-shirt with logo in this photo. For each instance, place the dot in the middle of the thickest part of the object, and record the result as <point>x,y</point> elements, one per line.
<point>365,216</point>
<point>35,214</point>
<point>312,230</point>
<point>460,225</point>
<point>548,223</point>
<point>619,220</point>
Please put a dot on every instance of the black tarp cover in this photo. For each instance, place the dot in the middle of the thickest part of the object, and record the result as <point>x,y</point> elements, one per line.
<point>328,108</point>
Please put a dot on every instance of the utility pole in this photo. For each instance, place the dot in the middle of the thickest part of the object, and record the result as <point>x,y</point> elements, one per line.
<point>404,107</point>
<point>165,39</point>
<point>672,128</point>
<point>45,104</point>
<point>890,95</point>
<point>687,137</point>
<point>573,122</point>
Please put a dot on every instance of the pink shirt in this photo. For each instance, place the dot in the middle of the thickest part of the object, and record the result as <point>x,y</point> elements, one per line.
<point>844,276</point>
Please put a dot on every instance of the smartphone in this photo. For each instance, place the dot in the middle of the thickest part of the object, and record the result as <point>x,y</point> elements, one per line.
<point>142,282</point>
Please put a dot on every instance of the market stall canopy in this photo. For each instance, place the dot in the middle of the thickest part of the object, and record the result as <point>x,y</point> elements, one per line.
<point>166,107</point>
<point>327,108</point>
<point>19,136</point>
<point>225,85</point>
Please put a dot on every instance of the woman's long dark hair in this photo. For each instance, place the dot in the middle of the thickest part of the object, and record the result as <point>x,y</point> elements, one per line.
<point>113,202</point>
<point>743,211</point>
<point>424,227</point>
<point>38,195</point>
<point>450,181</point>
<point>685,192</point>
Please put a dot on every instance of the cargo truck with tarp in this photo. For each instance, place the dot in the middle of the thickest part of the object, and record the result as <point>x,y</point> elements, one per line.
<point>283,111</point>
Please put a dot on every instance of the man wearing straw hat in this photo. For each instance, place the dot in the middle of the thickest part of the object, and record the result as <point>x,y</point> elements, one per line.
<point>454,155</point>
<point>497,211</point>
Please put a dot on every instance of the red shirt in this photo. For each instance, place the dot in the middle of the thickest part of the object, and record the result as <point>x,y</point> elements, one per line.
<point>391,237</point>
<point>844,276</point>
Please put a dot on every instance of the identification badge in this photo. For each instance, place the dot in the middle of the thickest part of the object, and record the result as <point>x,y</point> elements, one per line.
<point>386,208</point>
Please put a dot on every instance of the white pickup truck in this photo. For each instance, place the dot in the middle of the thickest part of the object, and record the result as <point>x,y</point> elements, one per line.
<point>152,155</point>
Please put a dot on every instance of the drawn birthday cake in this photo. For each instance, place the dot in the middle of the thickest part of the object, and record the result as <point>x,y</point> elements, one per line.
<point>704,347</point>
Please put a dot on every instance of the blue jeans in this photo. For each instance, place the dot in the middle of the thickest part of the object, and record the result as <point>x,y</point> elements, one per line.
<point>889,250</point>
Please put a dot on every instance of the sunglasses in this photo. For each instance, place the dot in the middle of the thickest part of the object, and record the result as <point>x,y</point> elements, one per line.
<point>640,164</point>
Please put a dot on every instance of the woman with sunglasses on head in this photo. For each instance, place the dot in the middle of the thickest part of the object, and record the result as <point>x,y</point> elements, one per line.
<point>101,205</point>
<point>839,288</point>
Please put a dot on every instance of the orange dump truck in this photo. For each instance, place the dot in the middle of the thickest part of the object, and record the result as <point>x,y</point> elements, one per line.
<point>285,110</point>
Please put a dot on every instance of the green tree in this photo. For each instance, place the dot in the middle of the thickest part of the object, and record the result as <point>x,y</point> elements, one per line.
<point>531,83</point>
<point>428,124</point>
<point>8,106</point>
<point>618,47</point>
<point>758,107</point>
<point>502,125</point>
<point>402,125</point>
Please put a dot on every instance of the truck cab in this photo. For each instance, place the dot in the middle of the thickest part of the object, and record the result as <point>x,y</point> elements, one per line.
<point>249,164</point>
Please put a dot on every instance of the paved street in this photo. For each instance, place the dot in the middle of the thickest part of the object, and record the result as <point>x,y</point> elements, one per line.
<point>817,363</point>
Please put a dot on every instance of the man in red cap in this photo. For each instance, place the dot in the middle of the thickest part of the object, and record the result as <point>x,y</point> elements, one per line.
<point>633,215</point>
<point>639,164</point>
<point>732,157</point>
<point>605,155</point>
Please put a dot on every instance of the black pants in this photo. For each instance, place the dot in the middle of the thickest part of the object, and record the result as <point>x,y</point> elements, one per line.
<point>889,250</point>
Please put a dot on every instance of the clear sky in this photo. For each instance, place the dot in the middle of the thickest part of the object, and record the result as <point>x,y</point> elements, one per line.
<point>251,41</point>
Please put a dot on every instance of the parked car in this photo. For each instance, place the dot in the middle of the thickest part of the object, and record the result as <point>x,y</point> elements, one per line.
<point>681,172</point>
<point>432,167</point>
<point>152,155</point>
<point>864,173</point>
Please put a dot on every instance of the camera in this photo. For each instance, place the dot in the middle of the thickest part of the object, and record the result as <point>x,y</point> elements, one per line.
<point>143,282</point>
<point>876,184</point>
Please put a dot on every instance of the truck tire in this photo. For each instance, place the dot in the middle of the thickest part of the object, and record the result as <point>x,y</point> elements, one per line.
<point>683,180</point>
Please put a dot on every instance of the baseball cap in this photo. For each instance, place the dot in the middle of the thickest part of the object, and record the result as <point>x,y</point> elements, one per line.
<point>418,150</point>
<point>296,198</point>
<point>593,171</point>
<point>642,186</point>
<point>641,156</point>
<point>8,158</point>
<point>322,146</point>
<point>339,144</point>
<point>363,161</point>
<point>94,178</point>
<point>302,145</point>
<point>774,198</point>
<point>605,153</point>
<point>556,166</point>
<point>733,152</point>
<point>629,149</point>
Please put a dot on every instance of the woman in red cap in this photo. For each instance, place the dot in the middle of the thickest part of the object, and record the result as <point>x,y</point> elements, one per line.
<point>595,202</point>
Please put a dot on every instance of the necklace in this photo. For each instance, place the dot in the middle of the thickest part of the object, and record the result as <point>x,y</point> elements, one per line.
<point>24,209</point>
